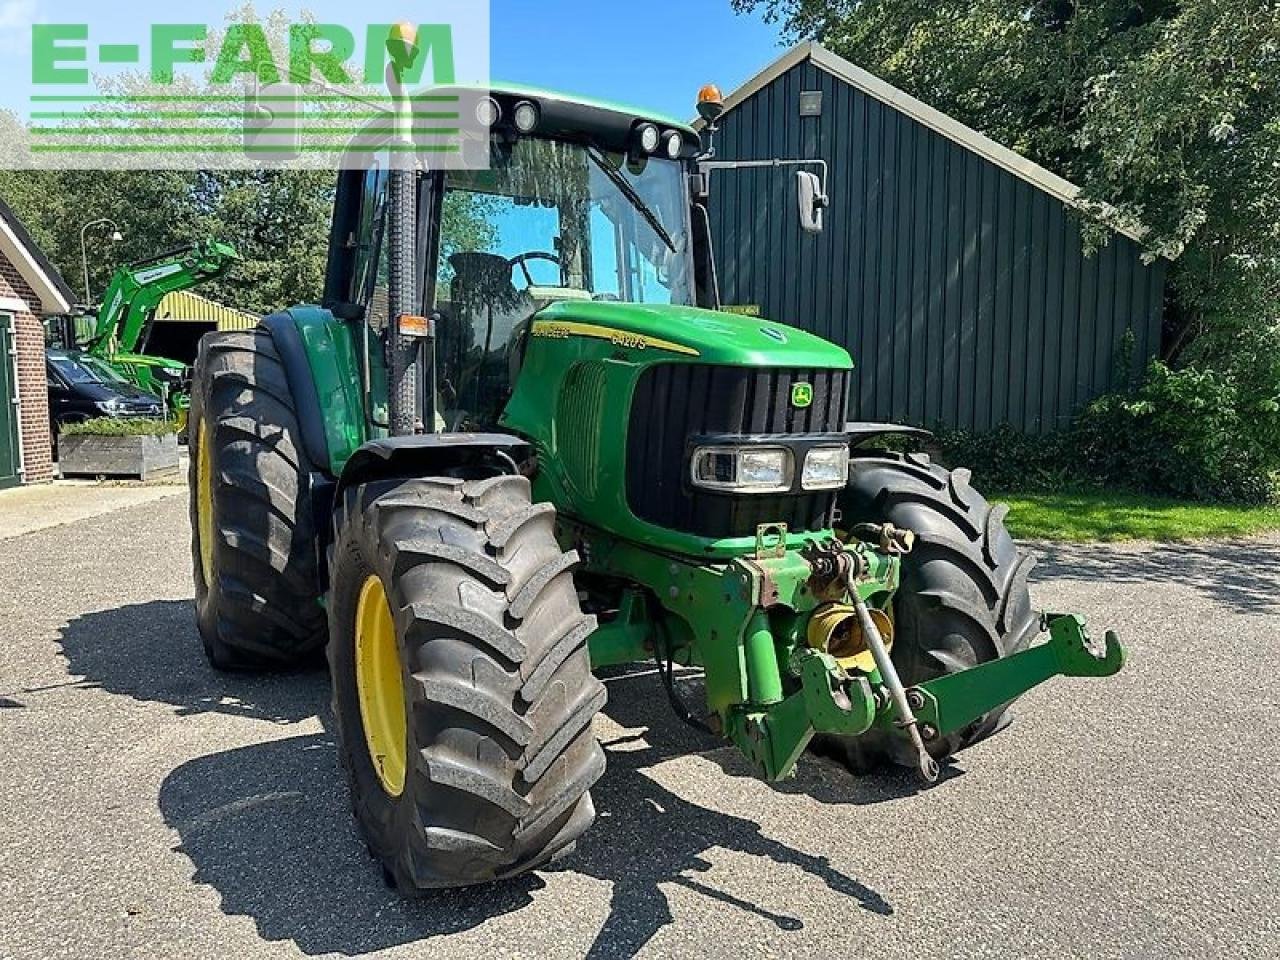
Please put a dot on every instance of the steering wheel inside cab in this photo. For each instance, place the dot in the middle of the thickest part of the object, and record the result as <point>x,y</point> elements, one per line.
<point>522,261</point>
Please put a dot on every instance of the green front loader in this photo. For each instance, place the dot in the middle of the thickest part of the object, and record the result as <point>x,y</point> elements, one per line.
<point>123,326</point>
<point>519,442</point>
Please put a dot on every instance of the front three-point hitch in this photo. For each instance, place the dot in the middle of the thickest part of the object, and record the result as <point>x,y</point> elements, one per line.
<point>799,642</point>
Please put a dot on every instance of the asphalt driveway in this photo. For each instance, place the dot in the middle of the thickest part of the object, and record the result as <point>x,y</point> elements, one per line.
<point>152,808</point>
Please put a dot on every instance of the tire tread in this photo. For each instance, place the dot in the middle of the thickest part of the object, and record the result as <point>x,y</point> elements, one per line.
<point>262,608</point>
<point>501,691</point>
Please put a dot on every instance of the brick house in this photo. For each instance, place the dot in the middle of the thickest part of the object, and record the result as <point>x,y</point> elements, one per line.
<point>30,288</point>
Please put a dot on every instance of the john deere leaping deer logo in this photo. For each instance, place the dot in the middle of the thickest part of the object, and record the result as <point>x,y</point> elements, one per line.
<point>801,395</point>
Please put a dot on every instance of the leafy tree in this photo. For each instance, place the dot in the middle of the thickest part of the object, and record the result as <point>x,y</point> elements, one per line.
<point>277,219</point>
<point>150,207</point>
<point>279,222</point>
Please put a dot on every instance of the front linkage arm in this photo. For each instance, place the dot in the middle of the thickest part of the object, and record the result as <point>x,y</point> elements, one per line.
<point>832,701</point>
<point>952,702</point>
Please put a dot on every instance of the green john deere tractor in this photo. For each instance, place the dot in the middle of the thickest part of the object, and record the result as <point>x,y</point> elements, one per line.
<point>519,443</point>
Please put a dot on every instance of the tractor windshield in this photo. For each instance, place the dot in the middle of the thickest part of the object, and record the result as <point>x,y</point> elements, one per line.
<point>548,221</point>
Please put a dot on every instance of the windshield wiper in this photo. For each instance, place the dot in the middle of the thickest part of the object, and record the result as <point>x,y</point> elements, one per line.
<point>628,191</point>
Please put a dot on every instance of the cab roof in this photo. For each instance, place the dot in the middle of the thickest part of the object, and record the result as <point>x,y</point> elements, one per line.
<point>610,106</point>
<point>569,116</point>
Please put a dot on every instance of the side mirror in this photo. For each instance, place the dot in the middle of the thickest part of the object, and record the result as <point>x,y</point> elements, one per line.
<point>812,201</point>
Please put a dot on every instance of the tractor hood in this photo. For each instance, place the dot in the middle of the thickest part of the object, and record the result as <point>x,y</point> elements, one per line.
<point>708,336</point>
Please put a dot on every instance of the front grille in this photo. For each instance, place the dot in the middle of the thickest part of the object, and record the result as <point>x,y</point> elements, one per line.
<point>675,404</point>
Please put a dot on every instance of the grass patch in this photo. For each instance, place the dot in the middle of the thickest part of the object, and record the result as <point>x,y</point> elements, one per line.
<point>112,427</point>
<point>1101,515</point>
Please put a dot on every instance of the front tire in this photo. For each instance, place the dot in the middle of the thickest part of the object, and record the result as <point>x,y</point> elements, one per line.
<point>470,759</point>
<point>963,599</point>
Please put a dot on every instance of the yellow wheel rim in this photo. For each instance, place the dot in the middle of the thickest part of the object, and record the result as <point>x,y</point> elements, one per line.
<point>204,502</point>
<point>380,686</point>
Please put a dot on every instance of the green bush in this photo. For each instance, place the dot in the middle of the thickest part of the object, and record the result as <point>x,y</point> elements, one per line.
<point>1191,433</point>
<point>1004,459</point>
<point>113,427</point>
<point>1195,433</point>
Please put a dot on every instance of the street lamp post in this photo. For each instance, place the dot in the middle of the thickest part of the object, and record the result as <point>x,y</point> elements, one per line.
<point>116,237</point>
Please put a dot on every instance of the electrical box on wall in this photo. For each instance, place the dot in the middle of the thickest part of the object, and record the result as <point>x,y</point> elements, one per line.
<point>811,103</point>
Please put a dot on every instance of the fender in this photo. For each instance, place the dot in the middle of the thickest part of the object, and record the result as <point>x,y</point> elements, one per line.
<point>297,370</point>
<point>859,431</point>
<point>433,455</point>
<point>323,369</point>
<point>430,455</point>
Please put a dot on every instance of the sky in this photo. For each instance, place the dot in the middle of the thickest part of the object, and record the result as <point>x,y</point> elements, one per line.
<point>655,54</point>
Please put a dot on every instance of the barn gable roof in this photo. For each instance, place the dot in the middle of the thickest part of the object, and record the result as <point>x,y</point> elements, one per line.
<point>871,85</point>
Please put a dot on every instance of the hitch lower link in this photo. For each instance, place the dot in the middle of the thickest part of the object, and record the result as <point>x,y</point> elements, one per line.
<point>846,566</point>
<point>927,713</point>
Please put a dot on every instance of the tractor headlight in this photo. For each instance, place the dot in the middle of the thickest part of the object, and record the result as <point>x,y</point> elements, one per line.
<point>826,468</point>
<point>649,136</point>
<point>488,112</point>
<point>743,469</point>
<point>675,143</point>
<point>526,116</point>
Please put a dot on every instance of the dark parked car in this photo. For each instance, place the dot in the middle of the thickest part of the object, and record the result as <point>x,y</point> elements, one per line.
<point>82,387</point>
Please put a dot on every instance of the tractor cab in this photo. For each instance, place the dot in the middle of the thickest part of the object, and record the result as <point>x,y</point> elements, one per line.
<point>580,201</point>
<point>550,221</point>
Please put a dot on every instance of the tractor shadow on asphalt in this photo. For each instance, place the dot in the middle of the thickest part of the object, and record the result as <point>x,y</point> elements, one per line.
<point>647,836</point>
<point>270,829</point>
<point>151,652</point>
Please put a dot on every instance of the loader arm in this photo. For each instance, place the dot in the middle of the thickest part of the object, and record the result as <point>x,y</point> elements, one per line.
<point>136,290</point>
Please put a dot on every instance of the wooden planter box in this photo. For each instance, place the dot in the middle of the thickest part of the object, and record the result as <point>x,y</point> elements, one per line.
<point>85,455</point>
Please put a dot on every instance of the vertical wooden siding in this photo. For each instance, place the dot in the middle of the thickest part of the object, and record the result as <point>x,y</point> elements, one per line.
<point>962,291</point>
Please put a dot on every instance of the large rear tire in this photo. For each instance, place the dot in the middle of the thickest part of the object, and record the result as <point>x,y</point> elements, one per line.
<point>253,537</point>
<point>463,719</point>
<point>963,599</point>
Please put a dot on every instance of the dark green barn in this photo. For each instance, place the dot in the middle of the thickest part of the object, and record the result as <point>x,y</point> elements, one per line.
<point>951,267</point>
